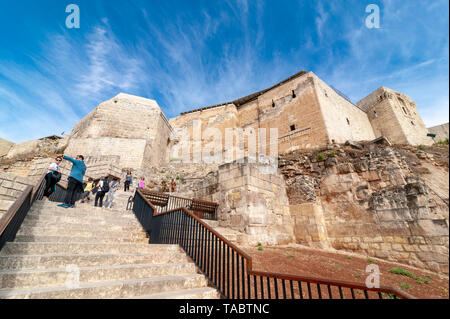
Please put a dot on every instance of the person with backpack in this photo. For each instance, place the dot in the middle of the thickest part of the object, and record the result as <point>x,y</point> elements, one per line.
<point>103,188</point>
<point>52,177</point>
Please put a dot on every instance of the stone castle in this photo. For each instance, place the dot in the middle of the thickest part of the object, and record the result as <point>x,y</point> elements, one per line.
<point>306,111</point>
<point>386,200</point>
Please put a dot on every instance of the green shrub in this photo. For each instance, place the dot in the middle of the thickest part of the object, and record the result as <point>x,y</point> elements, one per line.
<point>320,157</point>
<point>260,248</point>
<point>402,272</point>
<point>370,260</point>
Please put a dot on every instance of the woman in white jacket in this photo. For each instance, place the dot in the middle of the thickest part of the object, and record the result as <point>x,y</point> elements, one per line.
<point>112,192</point>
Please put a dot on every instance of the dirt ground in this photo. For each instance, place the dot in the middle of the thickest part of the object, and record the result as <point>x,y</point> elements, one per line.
<point>304,261</point>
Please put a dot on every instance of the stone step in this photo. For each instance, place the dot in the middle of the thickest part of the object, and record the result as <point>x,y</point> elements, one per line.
<point>80,211</point>
<point>24,248</point>
<point>110,289</point>
<point>22,262</point>
<point>59,221</point>
<point>196,293</point>
<point>44,205</point>
<point>80,232</point>
<point>80,226</point>
<point>20,279</point>
<point>63,218</point>
<point>78,239</point>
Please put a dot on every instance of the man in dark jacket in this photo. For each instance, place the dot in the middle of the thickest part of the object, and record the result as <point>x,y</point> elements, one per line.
<point>75,184</point>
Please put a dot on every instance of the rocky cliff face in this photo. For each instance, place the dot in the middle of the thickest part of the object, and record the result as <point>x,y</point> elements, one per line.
<point>388,202</point>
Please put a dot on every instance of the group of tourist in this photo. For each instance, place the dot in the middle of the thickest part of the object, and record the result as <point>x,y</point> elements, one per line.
<point>100,189</point>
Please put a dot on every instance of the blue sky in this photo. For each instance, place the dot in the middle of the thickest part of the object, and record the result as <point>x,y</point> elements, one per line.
<point>189,54</point>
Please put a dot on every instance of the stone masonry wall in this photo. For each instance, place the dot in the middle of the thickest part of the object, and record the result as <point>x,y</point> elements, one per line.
<point>344,121</point>
<point>293,109</point>
<point>130,151</point>
<point>251,202</point>
<point>395,116</point>
<point>371,200</point>
<point>11,187</point>
<point>127,126</point>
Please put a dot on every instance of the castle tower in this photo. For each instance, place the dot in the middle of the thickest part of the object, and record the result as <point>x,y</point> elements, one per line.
<point>395,116</point>
<point>129,127</point>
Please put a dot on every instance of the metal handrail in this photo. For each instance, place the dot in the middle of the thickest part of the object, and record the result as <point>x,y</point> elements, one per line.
<point>207,249</point>
<point>174,202</point>
<point>12,220</point>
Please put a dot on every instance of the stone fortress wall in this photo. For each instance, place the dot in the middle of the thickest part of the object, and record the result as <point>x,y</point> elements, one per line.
<point>372,202</point>
<point>131,127</point>
<point>308,113</point>
<point>394,115</point>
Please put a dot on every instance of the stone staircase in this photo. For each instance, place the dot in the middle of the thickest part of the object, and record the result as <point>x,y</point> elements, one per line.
<point>89,252</point>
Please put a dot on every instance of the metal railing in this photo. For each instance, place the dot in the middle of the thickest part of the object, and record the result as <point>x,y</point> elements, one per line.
<point>164,202</point>
<point>12,220</point>
<point>229,269</point>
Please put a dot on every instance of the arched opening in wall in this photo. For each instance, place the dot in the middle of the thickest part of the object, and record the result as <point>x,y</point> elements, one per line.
<point>348,122</point>
<point>293,94</point>
<point>273,103</point>
<point>413,123</point>
<point>292,128</point>
<point>404,111</point>
<point>168,141</point>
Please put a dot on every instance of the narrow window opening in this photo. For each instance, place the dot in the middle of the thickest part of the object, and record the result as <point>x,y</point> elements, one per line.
<point>293,94</point>
<point>404,111</point>
<point>348,122</point>
<point>412,123</point>
<point>292,128</point>
<point>273,103</point>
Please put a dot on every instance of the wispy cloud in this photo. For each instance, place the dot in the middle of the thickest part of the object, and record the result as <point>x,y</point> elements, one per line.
<point>186,59</point>
<point>69,79</point>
